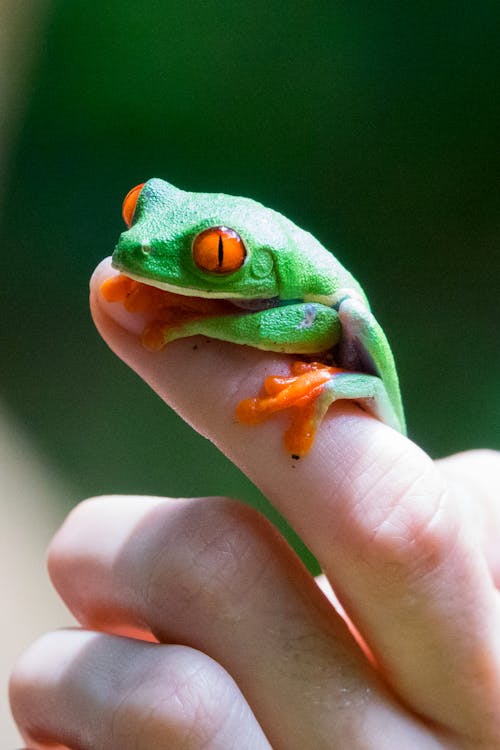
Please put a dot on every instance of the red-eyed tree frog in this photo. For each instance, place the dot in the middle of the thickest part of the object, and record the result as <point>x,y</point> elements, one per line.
<point>231,269</point>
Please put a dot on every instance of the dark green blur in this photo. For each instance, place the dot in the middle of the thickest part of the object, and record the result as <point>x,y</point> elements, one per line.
<point>373,125</point>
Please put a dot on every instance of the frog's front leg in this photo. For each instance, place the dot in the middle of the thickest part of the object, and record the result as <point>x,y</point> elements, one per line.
<point>302,328</point>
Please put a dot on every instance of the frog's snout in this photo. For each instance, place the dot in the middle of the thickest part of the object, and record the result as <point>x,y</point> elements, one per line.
<point>130,256</point>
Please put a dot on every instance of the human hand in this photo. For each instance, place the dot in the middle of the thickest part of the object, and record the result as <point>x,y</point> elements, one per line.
<point>246,646</point>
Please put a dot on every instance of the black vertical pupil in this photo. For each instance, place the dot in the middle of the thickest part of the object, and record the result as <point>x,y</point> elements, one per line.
<point>220,252</point>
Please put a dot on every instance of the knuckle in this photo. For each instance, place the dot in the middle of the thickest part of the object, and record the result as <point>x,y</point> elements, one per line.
<point>205,702</point>
<point>219,554</point>
<point>412,532</point>
<point>183,703</point>
<point>415,543</point>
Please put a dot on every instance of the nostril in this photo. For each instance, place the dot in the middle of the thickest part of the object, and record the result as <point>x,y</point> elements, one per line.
<point>146,249</point>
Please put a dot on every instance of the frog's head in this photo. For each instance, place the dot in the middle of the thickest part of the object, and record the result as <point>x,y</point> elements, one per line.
<point>208,245</point>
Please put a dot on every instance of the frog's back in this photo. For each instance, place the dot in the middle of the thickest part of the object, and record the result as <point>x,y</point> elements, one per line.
<point>327,267</point>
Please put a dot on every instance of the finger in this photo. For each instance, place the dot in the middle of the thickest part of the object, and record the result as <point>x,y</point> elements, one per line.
<point>373,509</point>
<point>86,690</point>
<point>214,575</point>
<point>475,476</point>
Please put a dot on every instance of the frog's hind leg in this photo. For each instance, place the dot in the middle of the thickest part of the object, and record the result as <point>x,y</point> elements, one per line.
<point>309,393</point>
<point>367,390</point>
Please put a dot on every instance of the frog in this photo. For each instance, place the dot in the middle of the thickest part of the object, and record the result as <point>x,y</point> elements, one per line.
<point>228,268</point>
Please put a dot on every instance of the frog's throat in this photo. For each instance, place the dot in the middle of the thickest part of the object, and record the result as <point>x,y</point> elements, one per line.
<point>182,290</point>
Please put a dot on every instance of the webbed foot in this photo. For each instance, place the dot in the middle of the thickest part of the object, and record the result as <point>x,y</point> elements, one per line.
<point>302,393</point>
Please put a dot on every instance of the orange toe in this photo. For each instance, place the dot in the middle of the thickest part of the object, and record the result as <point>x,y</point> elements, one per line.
<point>117,288</point>
<point>297,392</point>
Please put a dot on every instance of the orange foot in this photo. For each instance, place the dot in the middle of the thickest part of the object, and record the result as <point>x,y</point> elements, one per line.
<point>164,309</point>
<point>298,392</point>
<point>134,296</point>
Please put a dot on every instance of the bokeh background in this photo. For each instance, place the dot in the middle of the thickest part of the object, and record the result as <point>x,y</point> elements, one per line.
<point>373,125</point>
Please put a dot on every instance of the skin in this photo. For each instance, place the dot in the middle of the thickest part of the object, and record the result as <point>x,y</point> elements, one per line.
<point>283,292</point>
<point>247,650</point>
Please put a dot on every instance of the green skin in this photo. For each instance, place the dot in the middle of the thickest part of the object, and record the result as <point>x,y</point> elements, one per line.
<point>295,295</point>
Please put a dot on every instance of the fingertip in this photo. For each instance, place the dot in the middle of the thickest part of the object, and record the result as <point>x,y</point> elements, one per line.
<point>479,461</point>
<point>42,663</point>
<point>102,271</point>
<point>92,534</point>
<point>105,312</point>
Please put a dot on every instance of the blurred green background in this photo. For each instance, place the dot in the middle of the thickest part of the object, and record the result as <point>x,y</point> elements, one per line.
<point>373,125</point>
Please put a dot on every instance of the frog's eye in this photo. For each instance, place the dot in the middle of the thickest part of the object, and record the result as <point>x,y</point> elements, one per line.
<point>128,206</point>
<point>219,250</point>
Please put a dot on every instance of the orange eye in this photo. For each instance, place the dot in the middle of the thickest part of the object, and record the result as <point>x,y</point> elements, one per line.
<point>128,206</point>
<point>219,250</point>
